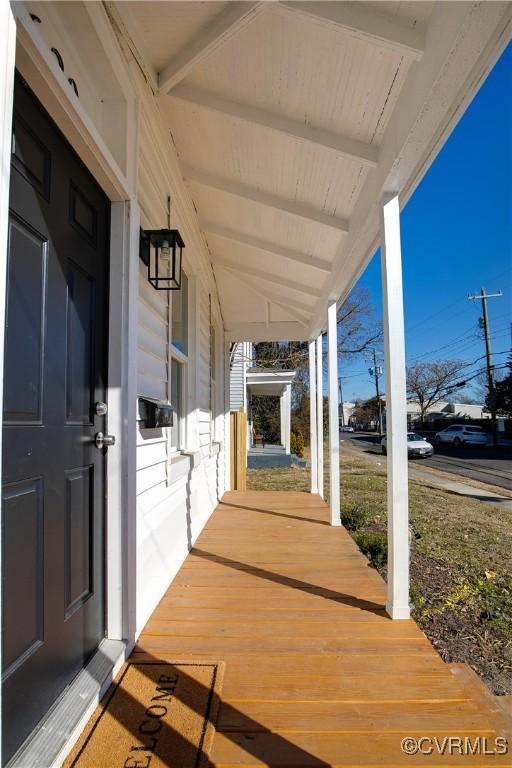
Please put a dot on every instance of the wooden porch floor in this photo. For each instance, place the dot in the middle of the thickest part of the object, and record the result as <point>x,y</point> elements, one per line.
<point>316,674</point>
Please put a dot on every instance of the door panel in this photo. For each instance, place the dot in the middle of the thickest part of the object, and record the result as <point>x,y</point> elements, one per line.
<point>23,565</point>
<point>25,339</point>
<point>79,536</point>
<point>55,371</point>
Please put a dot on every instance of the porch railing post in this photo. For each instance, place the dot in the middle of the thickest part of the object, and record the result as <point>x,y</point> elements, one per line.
<point>334,422</point>
<point>396,410</point>
<point>312,417</point>
<point>319,417</point>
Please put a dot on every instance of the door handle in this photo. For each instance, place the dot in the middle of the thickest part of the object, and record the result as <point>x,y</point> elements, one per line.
<point>104,441</point>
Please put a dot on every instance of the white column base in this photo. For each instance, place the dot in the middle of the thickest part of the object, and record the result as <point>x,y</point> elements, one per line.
<point>398,611</point>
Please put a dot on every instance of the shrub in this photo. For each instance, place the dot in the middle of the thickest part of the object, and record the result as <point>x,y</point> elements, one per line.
<point>297,443</point>
<point>375,547</point>
<point>353,518</point>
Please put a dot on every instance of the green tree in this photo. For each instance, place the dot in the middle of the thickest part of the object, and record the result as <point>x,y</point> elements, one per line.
<point>503,393</point>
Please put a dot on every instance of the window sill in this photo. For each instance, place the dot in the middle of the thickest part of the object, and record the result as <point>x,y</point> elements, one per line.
<point>195,457</point>
<point>183,461</point>
<point>179,466</point>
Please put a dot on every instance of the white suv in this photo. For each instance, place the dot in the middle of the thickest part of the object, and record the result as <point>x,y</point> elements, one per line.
<point>460,434</point>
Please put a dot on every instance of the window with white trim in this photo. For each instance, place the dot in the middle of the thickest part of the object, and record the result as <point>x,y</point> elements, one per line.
<point>179,364</point>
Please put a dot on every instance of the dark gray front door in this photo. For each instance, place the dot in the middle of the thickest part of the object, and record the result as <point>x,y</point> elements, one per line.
<point>53,482</point>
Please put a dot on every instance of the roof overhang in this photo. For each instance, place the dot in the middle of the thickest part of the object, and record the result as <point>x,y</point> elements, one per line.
<point>268,381</point>
<point>292,120</point>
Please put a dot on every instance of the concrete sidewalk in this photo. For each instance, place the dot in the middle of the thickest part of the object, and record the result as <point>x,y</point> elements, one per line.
<point>447,484</point>
<point>461,489</point>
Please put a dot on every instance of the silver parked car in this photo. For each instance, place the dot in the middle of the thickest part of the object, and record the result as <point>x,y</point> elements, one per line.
<point>417,446</point>
<point>461,434</point>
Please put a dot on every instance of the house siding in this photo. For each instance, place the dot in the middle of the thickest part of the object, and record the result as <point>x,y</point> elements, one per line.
<point>237,388</point>
<point>175,494</point>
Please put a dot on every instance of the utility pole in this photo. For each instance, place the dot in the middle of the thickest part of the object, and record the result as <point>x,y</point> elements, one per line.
<point>483,296</point>
<point>377,371</point>
<point>341,402</point>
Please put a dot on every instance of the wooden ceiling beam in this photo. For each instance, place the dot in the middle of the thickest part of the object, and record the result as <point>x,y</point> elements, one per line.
<point>295,308</point>
<point>209,228</point>
<point>339,146</point>
<point>234,18</point>
<point>268,277</point>
<point>365,24</point>
<point>262,198</point>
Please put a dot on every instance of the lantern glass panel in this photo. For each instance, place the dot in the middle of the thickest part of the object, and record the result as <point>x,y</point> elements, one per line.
<point>164,259</point>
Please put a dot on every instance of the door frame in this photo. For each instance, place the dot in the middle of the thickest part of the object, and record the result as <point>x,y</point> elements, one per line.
<point>25,49</point>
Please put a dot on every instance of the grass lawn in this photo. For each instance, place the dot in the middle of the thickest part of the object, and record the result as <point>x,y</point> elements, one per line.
<point>461,563</point>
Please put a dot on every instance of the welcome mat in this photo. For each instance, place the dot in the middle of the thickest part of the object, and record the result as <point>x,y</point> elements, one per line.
<point>156,713</point>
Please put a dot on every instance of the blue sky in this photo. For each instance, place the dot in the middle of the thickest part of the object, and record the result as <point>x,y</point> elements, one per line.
<point>456,237</point>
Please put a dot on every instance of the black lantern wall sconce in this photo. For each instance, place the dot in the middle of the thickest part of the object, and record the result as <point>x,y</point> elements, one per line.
<point>161,250</point>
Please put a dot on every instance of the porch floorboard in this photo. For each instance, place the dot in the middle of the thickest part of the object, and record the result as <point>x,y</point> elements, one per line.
<point>316,673</point>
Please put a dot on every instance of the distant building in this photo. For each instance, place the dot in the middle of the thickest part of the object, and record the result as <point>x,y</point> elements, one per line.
<point>355,414</point>
<point>446,410</point>
<point>346,411</point>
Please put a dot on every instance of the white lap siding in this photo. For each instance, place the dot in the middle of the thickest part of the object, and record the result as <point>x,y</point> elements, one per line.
<point>237,394</point>
<point>175,493</point>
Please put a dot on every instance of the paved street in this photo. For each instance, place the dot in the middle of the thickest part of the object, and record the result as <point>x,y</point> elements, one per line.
<point>487,465</point>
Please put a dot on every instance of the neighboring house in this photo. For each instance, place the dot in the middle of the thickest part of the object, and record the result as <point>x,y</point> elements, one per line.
<point>281,140</point>
<point>346,410</point>
<point>246,380</point>
<point>441,410</point>
<point>241,359</point>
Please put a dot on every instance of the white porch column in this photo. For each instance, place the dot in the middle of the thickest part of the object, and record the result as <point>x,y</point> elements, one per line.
<point>396,410</point>
<point>312,418</point>
<point>320,416</point>
<point>288,419</point>
<point>282,414</point>
<point>334,423</point>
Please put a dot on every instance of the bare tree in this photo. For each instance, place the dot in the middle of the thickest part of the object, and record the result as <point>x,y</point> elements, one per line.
<point>428,383</point>
<point>357,331</point>
<point>358,328</point>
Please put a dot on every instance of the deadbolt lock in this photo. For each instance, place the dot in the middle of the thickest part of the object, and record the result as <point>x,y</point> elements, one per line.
<point>104,441</point>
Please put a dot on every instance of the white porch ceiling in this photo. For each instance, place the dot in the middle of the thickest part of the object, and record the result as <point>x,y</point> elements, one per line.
<point>292,119</point>
<point>268,381</point>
